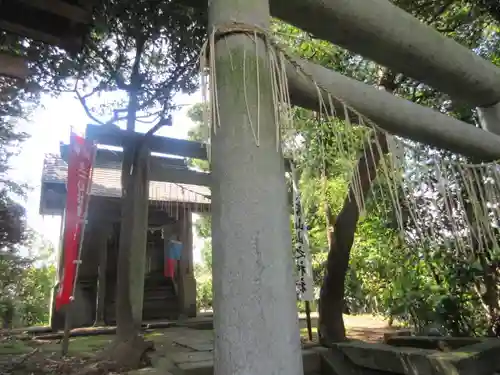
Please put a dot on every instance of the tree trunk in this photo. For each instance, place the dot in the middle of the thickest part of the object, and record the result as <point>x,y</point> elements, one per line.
<point>129,349</point>
<point>8,315</point>
<point>255,313</point>
<point>329,216</point>
<point>341,229</point>
<point>331,302</point>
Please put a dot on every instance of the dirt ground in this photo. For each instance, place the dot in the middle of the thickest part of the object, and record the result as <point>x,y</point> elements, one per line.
<point>365,327</point>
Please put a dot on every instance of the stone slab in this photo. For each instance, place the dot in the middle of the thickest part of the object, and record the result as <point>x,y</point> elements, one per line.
<point>432,342</point>
<point>197,333</point>
<point>194,339</point>
<point>192,357</point>
<point>197,368</point>
<point>478,359</point>
<point>201,364</point>
<point>384,357</point>
<point>197,323</point>
<point>198,344</point>
<point>149,371</point>
<point>400,332</point>
<point>333,361</point>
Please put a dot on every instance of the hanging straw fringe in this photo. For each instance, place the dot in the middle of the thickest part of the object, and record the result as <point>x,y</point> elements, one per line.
<point>467,193</point>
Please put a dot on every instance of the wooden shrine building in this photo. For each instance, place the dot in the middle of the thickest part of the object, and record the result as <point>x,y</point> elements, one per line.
<point>175,192</point>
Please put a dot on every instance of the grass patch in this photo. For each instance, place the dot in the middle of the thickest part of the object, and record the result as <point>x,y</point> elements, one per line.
<point>305,334</point>
<point>14,347</point>
<point>81,346</point>
<point>303,331</point>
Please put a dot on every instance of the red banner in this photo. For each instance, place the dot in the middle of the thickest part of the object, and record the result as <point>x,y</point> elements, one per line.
<point>80,160</point>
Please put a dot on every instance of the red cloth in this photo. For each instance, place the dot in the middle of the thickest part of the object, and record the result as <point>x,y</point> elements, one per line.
<point>81,157</point>
<point>169,269</point>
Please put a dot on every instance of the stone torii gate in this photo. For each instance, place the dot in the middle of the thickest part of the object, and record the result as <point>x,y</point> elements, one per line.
<point>256,327</point>
<point>385,33</point>
<point>379,30</point>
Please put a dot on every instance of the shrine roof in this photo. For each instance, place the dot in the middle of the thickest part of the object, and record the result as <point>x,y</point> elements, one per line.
<point>63,23</point>
<point>106,182</point>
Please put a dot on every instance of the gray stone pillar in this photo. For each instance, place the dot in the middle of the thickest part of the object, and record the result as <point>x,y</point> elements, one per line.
<point>489,118</point>
<point>101,244</point>
<point>187,281</point>
<point>255,311</point>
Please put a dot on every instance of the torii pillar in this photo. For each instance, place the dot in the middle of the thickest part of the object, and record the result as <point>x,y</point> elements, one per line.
<point>255,312</point>
<point>489,118</point>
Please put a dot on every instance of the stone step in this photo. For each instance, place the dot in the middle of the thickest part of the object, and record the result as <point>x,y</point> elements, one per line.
<point>201,363</point>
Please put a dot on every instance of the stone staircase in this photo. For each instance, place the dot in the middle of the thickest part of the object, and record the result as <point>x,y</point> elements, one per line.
<point>160,300</point>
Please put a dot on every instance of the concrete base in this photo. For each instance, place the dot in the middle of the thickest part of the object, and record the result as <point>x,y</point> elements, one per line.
<point>433,342</point>
<point>201,363</point>
<point>489,118</point>
<point>477,359</point>
<point>333,361</point>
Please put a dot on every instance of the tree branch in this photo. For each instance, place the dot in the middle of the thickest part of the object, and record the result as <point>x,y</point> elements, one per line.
<point>135,82</point>
<point>120,82</point>
<point>135,78</point>
<point>163,122</point>
<point>156,117</point>
<point>86,108</point>
<point>167,86</point>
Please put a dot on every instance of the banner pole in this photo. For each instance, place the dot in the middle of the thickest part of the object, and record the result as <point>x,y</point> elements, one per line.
<point>67,329</point>
<point>67,318</point>
<point>308,320</point>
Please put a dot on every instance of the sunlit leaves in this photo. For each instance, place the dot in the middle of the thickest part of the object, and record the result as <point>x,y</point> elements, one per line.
<point>416,281</point>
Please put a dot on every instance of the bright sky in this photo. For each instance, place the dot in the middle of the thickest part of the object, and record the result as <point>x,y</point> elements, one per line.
<point>51,124</point>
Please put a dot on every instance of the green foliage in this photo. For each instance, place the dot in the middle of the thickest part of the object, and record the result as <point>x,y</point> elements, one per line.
<point>204,294</point>
<point>145,50</point>
<point>203,272</point>
<point>24,282</point>
<point>417,282</point>
<point>34,295</point>
<point>25,285</point>
<point>198,133</point>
